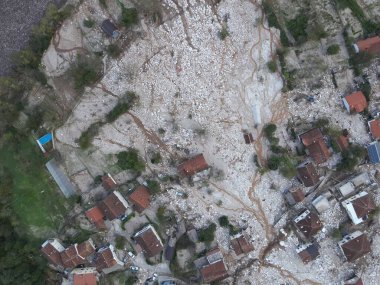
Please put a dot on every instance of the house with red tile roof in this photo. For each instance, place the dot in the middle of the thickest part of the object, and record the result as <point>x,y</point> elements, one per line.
<point>140,198</point>
<point>114,206</point>
<point>307,173</point>
<point>192,166</point>
<point>374,127</point>
<point>212,267</point>
<point>370,45</point>
<point>107,261</point>
<point>85,276</point>
<point>96,217</point>
<point>76,254</point>
<point>359,206</point>
<point>294,195</point>
<point>354,246</point>
<point>52,249</point>
<point>241,245</point>
<point>308,223</point>
<point>355,102</point>
<point>149,240</point>
<point>315,145</point>
<point>108,182</point>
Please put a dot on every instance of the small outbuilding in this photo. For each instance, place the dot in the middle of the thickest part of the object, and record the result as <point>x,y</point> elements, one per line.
<point>110,29</point>
<point>193,165</point>
<point>355,102</point>
<point>307,252</point>
<point>140,198</point>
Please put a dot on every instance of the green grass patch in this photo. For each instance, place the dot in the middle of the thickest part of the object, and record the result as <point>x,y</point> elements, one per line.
<point>35,197</point>
<point>333,49</point>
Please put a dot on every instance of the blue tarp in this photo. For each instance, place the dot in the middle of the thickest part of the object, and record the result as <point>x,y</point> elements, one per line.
<point>45,139</point>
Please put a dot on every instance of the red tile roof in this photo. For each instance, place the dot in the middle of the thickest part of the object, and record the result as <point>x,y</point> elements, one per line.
<point>310,225</point>
<point>240,245</point>
<point>342,142</point>
<point>311,137</point>
<point>149,241</point>
<point>85,279</point>
<point>76,254</point>
<point>108,182</point>
<point>363,206</point>
<point>52,254</point>
<point>104,259</point>
<point>356,247</point>
<point>308,175</point>
<point>70,258</point>
<point>96,217</point>
<point>356,101</point>
<point>370,45</point>
<point>319,151</point>
<point>193,165</point>
<point>112,207</point>
<point>374,126</point>
<point>140,198</point>
<point>214,272</point>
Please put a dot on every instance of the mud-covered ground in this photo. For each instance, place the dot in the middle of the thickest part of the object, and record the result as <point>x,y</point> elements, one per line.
<point>17,18</point>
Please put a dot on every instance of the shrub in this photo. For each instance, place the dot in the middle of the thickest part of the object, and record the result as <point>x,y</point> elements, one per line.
<point>88,23</point>
<point>113,50</point>
<point>87,136</point>
<point>269,130</point>
<point>119,242</point>
<point>333,49</point>
<point>85,72</point>
<point>130,160</point>
<point>207,234</point>
<point>117,111</point>
<point>154,186</point>
<point>129,16</point>
<point>223,221</point>
<point>274,162</point>
<point>272,66</point>
<point>223,33</point>
<point>161,131</point>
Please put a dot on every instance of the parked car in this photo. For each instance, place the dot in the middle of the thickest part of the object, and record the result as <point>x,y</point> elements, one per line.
<point>131,255</point>
<point>134,268</point>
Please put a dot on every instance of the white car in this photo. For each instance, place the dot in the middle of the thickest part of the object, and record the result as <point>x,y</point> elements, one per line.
<point>134,268</point>
<point>131,255</point>
<point>154,277</point>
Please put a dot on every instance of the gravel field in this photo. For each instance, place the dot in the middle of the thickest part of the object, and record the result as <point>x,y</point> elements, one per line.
<point>17,18</point>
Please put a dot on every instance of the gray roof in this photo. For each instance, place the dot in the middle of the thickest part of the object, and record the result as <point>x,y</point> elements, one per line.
<point>110,29</point>
<point>60,178</point>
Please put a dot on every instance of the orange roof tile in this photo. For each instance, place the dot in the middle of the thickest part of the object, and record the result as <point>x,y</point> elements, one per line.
<point>374,126</point>
<point>356,101</point>
<point>193,165</point>
<point>96,217</point>
<point>370,45</point>
<point>214,272</point>
<point>140,198</point>
<point>85,279</point>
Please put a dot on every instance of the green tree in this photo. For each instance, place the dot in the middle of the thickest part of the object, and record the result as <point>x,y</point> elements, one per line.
<point>129,16</point>
<point>223,221</point>
<point>333,49</point>
<point>272,66</point>
<point>207,234</point>
<point>130,160</point>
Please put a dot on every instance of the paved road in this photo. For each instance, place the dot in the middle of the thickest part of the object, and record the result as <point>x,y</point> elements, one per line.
<point>17,18</point>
